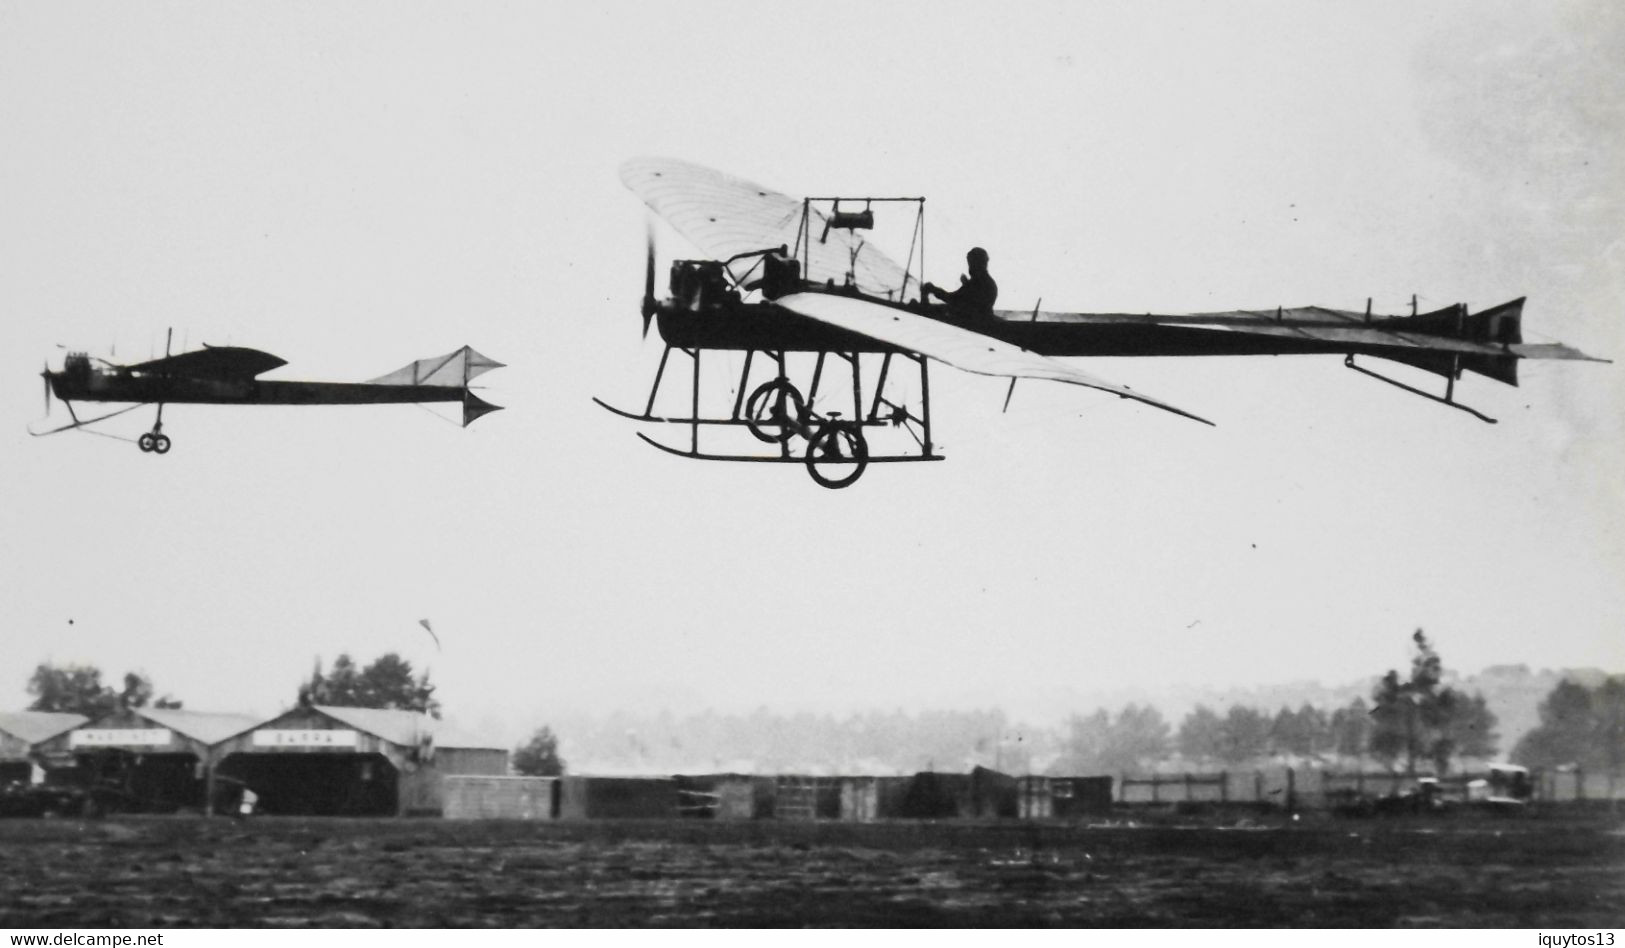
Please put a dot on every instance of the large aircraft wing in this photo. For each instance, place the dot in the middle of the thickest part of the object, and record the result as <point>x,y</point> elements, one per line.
<point>723,215</point>
<point>955,345</point>
<point>216,363</point>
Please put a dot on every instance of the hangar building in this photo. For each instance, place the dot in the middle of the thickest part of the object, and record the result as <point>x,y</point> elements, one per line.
<point>325,760</point>
<point>21,732</point>
<point>150,759</point>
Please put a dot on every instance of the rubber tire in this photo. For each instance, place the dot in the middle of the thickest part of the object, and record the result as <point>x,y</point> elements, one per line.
<point>827,437</point>
<point>766,398</point>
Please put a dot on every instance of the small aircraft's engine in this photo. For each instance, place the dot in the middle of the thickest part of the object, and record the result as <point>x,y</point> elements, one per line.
<point>76,366</point>
<point>698,283</point>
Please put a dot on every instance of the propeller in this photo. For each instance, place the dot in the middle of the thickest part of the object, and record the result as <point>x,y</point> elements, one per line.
<point>648,275</point>
<point>46,375</point>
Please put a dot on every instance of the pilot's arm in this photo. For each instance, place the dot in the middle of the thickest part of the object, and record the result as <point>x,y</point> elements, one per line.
<point>947,296</point>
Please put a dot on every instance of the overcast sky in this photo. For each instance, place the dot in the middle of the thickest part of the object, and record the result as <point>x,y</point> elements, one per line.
<point>354,186</point>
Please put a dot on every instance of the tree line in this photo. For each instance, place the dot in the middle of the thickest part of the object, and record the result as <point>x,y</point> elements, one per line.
<point>78,689</point>
<point>1410,720</point>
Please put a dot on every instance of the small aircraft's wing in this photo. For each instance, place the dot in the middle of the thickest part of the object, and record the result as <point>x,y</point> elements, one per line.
<point>452,370</point>
<point>723,215</point>
<point>217,363</point>
<point>955,345</point>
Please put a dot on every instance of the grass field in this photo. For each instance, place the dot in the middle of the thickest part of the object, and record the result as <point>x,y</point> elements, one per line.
<point>187,871</point>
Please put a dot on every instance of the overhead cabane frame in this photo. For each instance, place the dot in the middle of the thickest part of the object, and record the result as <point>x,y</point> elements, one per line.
<point>812,208</point>
<point>775,411</point>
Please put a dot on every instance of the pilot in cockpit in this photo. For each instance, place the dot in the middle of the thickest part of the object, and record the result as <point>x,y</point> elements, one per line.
<point>976,294</point>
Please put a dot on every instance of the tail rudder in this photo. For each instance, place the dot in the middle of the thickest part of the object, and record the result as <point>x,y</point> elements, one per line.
<point>475,407</point>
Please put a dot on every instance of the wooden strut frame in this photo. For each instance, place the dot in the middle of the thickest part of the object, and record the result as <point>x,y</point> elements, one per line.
<point>878,411</point>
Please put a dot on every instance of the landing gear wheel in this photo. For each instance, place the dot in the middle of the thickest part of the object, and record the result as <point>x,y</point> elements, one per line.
<point>160,444</point>
<point>774,411</point>
<point>147,442</point>
<point>837,455</point>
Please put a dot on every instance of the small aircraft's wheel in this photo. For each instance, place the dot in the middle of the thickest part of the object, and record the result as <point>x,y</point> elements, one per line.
<point>160,444</point>
<point>774,411</point>
<point>146,442</point>
<point>837,455</point>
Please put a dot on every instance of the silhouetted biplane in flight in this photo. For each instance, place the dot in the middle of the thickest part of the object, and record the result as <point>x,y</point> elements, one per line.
<point>796,275</point>
<point>229,375</point>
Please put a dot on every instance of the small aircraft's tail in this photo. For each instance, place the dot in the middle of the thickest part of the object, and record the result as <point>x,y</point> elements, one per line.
<point>452,370</point>
<point>475,407</point>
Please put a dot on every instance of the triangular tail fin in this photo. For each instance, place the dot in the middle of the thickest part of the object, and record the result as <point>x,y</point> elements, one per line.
<point>475,407</point>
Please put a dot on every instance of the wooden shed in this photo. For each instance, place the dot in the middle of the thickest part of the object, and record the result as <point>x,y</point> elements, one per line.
<point>1072,797</point>
<point>469,797</point>
<point>617,798</point>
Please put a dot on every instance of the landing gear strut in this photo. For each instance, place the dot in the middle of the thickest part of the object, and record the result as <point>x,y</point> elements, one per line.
<point>155,441</point>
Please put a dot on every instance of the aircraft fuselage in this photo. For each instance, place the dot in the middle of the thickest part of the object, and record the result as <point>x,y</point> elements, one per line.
<point>766,327</point>
<point>115,385</point>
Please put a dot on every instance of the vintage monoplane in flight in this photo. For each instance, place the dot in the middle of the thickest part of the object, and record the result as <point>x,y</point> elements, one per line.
<point>788,275</point>
<point>229,375</point>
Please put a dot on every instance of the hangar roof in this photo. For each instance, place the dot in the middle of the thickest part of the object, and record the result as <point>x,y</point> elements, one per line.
<point>36,726</point>
<point>402,727</point>
<point>206,727</point>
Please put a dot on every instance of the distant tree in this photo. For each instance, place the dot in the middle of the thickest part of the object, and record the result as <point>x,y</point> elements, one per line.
<point>1608,703</point>
<point>1420,718</point>
<point>1351,729</point>
<point>386,683</point>
<point>73,689</point>
<point>137,691</point>
<point>1098,743</point>
<point>1137,739</point>
<point>539,757</point>
<point>1393,722</point>
<point>1578,726</point>
<point>1465,728</point>
<point>1246,735</point>
<point>1300,733</point>
<point>1201,734</point>
<point>78,689</point>
<point>1083,751</point>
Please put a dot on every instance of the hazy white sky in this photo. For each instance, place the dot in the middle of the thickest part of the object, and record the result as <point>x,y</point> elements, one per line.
<point>353,186</point>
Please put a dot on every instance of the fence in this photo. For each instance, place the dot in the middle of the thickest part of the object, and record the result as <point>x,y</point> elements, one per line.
<point>1576,785</point>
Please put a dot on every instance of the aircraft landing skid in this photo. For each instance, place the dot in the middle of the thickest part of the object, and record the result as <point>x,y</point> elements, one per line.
<point>835,452</point>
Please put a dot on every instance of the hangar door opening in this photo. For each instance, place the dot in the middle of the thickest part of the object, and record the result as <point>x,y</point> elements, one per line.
<point>317,784</point>
<point>123,781</point>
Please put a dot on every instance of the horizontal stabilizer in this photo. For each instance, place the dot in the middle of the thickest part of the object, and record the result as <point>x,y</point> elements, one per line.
<point>452,370</point>
<point>475,407</point>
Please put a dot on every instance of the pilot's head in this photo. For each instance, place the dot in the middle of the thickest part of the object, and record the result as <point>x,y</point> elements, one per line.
<point>976,259</point>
